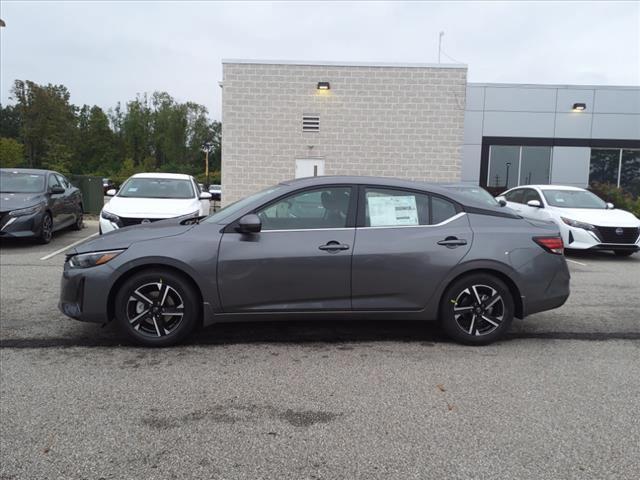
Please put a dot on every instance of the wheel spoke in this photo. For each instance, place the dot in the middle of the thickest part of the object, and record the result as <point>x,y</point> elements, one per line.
<point>164,290</point>
<point>173,311</point>
<point>139,296</point>
<point>136,320</point>
<point>473,324</point>
<point>463,309</point>
<point>491,302</point>
<point>492,320</point>
<point>475,293</point>
<point>158,323</point>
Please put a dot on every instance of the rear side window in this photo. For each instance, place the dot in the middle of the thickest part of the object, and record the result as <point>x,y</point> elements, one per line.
<point>442,210</point>
<point>515,196</point>
<point>395,208</point>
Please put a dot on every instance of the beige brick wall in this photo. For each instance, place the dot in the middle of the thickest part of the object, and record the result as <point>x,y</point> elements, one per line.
<point>384,121</point>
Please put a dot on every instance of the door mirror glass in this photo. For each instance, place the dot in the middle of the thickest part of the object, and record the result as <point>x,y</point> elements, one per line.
<point>57,190</point>
<point>250,223</point>
<point>501,201</point>
<point>534,203</point>
<point>111,192</point>
<point>205,196</point>
<point>610,206</point>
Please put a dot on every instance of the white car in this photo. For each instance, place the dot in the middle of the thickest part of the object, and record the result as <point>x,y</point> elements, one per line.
<point>585,220</point>
<point>149,197</point>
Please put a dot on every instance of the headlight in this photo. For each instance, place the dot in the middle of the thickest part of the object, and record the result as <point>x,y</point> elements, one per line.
<point>26,211</point>
<point>86,260</point>
<point>109,216</point>
<point>576,224</point>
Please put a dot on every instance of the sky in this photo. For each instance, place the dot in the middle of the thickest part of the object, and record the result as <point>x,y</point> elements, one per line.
<point>107,52</point>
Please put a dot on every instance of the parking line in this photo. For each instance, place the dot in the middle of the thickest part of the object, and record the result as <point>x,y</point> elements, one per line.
<point>53,254</point>
<point>579,263</point>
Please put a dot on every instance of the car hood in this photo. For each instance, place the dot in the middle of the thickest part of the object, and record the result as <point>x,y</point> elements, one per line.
<point>152,207</point>
<point>14,201</point>
<point>125,237</point>
<point>600,217</point>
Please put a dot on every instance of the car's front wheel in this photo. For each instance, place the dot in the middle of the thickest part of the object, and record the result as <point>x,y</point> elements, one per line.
<point>477,309</point>
<point>46,229</point>
<point>157,308</point>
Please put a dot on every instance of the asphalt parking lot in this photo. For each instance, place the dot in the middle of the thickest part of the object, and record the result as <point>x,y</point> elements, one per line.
<point>559,398</point>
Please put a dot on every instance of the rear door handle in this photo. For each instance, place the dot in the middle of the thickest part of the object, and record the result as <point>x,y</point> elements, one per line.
<point>452,242</point>
<point>333,247</point>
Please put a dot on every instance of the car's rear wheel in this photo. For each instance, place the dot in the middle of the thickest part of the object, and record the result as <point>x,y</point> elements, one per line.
<point>157,308</point>
<point>46,229</point>
<point>79,223</point>
<point>623,253</point>
<point>477,309</point>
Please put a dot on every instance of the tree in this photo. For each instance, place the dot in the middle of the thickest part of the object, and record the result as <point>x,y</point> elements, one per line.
<point>9,121</point>
<point>96,151</point>
<point>11,153</point>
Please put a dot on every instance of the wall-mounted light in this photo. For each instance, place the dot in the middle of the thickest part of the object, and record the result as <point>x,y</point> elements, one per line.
<point>324,86</point>
<point>579,107</point>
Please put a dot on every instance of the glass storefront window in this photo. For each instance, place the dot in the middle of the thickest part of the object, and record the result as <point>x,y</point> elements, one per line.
<point>503,166</point>
<point>630,171</point>
<point>603,167</point>
<point>535,165</point>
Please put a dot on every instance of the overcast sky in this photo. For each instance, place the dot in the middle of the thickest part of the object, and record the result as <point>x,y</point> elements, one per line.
<point>107,52</point>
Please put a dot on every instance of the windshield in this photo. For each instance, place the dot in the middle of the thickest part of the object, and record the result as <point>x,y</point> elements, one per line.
<point>573,199</point>
<point>232,208</point>
<point>156,188</point>
<point>20,182</point>
<point>477,194</point>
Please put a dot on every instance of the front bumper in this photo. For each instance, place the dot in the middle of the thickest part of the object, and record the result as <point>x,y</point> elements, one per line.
<point>20,227</point>
<point>84,293</point>
<point>581,239</point>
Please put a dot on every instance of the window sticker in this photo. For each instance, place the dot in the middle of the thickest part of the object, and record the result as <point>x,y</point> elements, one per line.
<point>392,210</point>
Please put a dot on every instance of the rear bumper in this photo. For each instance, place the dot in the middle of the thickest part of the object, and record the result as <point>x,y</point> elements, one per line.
<point>553,296</point>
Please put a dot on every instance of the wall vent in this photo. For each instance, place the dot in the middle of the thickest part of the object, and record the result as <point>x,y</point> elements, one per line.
<point>310,123</point>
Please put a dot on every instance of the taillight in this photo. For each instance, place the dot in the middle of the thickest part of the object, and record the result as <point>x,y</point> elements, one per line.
<point>551,244</point>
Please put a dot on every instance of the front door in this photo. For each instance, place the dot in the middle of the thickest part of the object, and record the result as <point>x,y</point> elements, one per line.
<point>300,261</point>
<point>406,243</point>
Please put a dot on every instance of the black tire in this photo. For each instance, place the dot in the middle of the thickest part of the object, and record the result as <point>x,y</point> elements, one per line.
<point>155,328</point>
<point>79,223</point>
<point>623,253</point>
<point>46,229</point>
<point>460,317</point>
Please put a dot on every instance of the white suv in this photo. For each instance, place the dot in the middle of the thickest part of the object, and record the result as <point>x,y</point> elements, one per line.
<point>149,197</point>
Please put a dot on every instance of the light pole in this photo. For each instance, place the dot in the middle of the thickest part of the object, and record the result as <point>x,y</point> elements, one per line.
<point>207,147</point>
<point>507,181</point>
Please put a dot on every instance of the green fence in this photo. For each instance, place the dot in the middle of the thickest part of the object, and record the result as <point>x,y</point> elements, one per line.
<point>92,192</point>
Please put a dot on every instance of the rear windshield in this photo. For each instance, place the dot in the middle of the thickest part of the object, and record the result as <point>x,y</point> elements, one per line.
<point>573,199</point>
<point>20,182</point>
<point>156,188</point>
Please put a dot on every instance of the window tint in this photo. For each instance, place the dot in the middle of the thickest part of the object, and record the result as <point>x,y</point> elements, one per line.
<point>441,210</point>
<point>395,208</point>
<point>63,181</point>
<point>321,208</point>
<point>53,181</point>
<point>514,196</point>
<point>530,194</point>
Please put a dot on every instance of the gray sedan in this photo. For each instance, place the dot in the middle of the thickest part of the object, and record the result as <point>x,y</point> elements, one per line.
<point>346,247</point>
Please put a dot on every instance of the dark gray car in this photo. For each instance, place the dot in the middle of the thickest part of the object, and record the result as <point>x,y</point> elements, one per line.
<point>347,247</point>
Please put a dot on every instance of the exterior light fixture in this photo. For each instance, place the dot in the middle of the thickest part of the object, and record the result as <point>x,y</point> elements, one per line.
<point>324,86</point>
<point>579,107</point>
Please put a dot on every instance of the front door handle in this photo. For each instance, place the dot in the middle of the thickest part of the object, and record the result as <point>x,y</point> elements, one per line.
<point>452,242</point>
<point>333,247</point>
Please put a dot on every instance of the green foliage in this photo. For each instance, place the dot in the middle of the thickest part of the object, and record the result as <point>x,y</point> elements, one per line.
<point>151,133</point>
<point>11,153</point>
<point>621,199</point>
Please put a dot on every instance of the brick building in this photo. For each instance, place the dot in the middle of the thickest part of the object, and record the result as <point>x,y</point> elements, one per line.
<point>282,120</point>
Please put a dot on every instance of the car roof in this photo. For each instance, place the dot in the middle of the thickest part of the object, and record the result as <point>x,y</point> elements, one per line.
<point>33,171</point>
<point>174,176</point>
<point>549,187</point>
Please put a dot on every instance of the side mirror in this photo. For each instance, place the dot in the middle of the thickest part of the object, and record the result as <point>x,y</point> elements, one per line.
<point>111,192</point>
<point>205,196</point>
<point>57,190</point>
<point>250,223</point>
<point>501,201</point>
<point>610,206</point>
<point>534,203</point>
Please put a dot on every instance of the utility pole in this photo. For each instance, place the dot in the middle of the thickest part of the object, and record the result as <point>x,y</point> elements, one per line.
<point>206,148</point>
<point>440,45</point>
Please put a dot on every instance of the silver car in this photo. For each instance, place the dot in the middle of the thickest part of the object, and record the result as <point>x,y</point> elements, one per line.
<point>346,247</point>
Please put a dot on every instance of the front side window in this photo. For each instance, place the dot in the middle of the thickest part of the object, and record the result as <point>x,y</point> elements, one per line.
<point>53,181</point>
<point>573,199</point>
<point>530,194</point>
<point>326,207</point>
<point>63,181</point>
<point>20,182</point>
<point>515,196</point>
<point>157,188</point>
<point>395,208</point>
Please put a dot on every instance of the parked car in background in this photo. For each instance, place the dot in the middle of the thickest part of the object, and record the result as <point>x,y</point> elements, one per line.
<point>149,197</point>
<point>586,222</point>
<point>216,192</point>
<point>201,187</point>
<point>107,184</point>
<point>321,247</point>
<point>36,203</point>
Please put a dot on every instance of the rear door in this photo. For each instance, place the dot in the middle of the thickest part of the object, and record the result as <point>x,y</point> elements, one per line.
<point>300,261</point>
<point>406,242</point>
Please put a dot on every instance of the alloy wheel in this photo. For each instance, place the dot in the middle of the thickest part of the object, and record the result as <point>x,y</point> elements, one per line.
<point>155,309</point>
<point>479,310</point>
<point>47,228</point>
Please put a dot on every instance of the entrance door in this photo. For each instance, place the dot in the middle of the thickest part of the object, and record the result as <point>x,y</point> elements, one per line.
<point>309,167</point>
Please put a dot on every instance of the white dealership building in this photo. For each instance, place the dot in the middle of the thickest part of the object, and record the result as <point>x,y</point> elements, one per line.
<point>285,119</point>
